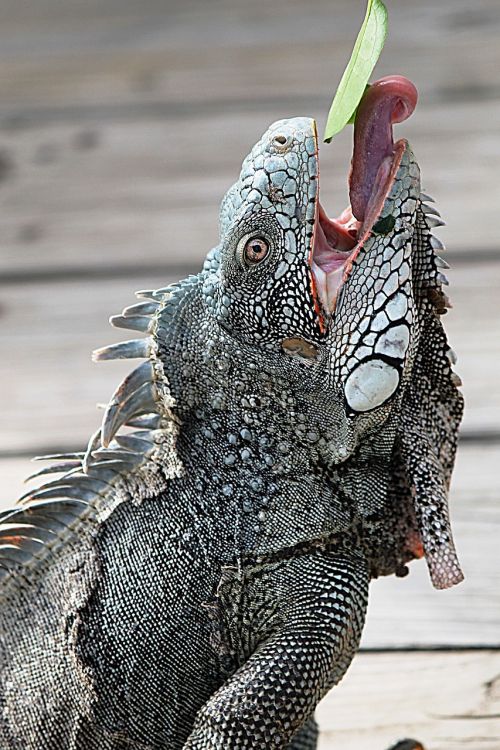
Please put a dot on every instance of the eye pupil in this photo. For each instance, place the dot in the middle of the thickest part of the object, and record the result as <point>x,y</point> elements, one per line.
<point>255,250</point>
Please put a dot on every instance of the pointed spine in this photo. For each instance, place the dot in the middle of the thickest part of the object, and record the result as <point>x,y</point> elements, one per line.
<point>93,444</point>
<point>436,243</point>
<point>433,222</point>
<point>60,457</point>
<point>10,532</point>
<point>121,456</point>
<point>430,210</point>
<point>133,349</point>
<point>140,401</point>
<point>145,294</point>
<point>451,356</point>
<point>65,491</point>
<point>440,263</point>
<point>136,323</point>
<point>63,468</point>
<point>145,422</point>
<point>138,445</point>
<point>141,308</point>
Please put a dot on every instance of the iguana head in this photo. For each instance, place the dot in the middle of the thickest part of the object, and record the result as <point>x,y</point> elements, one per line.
<point>336,293</point>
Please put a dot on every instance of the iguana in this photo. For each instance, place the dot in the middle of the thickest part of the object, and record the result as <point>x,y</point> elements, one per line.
<point>198,577</point>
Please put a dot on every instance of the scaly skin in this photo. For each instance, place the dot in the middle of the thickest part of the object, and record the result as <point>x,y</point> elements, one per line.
<point>202,582</point>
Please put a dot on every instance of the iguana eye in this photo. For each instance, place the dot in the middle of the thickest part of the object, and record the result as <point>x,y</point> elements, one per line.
<point>255,250</point>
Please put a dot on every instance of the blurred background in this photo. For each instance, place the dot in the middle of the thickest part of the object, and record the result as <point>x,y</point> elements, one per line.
<point>122,123</point>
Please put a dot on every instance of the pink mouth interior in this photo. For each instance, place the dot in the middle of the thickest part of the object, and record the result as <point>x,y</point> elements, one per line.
<point>374,166</point>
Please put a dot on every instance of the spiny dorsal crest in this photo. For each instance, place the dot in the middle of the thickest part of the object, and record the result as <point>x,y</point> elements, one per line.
<point>115,464</point>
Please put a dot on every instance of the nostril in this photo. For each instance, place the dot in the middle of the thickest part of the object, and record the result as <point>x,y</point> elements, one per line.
<point>281,143</point>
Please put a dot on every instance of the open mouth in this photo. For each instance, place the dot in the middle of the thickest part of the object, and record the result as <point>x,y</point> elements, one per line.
<point>375,161</point>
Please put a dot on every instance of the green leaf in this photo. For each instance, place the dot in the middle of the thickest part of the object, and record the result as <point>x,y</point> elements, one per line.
<point>352,118</point>
<point>365,54</point>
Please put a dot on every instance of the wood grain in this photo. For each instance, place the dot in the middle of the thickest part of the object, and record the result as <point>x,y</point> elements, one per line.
<point>446,701</point>
<point>122,124</point>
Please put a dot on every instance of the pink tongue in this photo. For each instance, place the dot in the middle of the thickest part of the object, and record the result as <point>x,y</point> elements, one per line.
<point>389,100</point>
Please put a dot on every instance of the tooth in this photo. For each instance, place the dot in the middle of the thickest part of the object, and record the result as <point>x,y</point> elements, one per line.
<point>442,278</point>
<point>321,282</point>
<point>426,198</point>
<point>456,379</point>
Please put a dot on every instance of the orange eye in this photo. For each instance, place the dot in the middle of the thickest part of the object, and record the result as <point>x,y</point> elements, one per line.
<point>255,251</point>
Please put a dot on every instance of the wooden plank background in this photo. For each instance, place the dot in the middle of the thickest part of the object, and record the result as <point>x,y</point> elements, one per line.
<point>448,701</point>
<point>121,126</point>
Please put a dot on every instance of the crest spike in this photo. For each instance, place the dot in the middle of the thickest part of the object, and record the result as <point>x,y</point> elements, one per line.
<point>129,404</point>
<point>134,323</point>
<point>133,349</point>
<point>434,221</point>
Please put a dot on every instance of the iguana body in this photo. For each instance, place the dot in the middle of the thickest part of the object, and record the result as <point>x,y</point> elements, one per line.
<point>201,582</point>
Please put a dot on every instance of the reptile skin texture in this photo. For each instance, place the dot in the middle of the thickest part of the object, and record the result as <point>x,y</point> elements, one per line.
<point>198,577</point>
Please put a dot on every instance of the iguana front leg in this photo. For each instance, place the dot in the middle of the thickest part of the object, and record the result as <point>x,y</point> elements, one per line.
<point>319,603</point>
